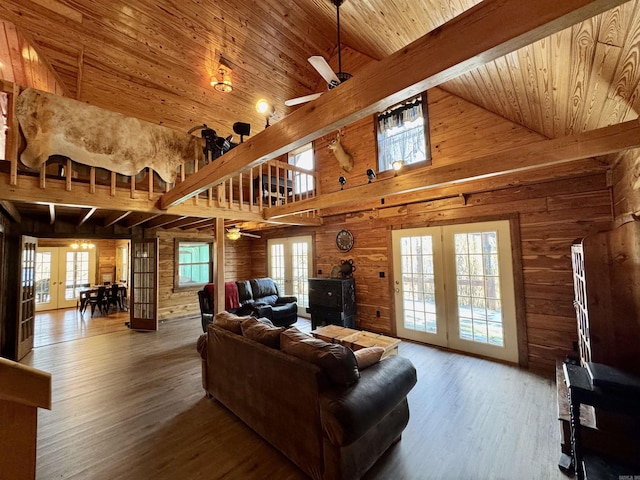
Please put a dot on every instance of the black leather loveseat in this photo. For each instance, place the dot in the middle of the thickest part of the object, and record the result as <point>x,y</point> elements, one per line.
<point>259,297</point>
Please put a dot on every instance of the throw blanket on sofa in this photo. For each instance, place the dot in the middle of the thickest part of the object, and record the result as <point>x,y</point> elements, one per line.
<point>231,298</point>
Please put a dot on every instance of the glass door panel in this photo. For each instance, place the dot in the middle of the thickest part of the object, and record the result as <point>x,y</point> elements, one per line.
<point>418,285</point>
<point>290,264</point>
<point>45,270</point>
<point>481,305</point>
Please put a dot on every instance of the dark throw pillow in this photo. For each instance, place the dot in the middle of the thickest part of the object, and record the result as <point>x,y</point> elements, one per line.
<point>337,361</point>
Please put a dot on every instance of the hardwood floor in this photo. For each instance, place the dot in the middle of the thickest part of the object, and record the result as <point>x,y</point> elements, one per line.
<point>130,405</point>
<point>54,326</point>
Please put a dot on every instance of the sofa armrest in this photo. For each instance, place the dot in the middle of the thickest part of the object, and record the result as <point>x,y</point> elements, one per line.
<point>260,310</point>
<point>283,300</point>
<point>348,413</point>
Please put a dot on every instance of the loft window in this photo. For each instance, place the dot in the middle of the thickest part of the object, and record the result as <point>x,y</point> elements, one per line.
<point>303,159</point>
<point>192,263</point>
<point>403,134</point>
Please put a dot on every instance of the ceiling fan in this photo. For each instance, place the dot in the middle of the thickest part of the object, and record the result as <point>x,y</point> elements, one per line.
<point>234,233</point>
<point>318,62</point>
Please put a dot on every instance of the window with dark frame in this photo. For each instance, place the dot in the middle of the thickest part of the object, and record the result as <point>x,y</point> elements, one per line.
<point>193,263</point>
<point>403,134</point>
<point>303,158</point>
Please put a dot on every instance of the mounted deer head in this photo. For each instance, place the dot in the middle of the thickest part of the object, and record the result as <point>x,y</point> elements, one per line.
<point>344,159</point>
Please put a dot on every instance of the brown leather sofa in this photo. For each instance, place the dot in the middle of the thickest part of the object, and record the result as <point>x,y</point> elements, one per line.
<point>330,431</point>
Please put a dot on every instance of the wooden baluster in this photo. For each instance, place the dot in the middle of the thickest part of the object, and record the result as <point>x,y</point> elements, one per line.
<point>150,170</point>
<point>92,180</point>
<point>261,186</point>
<point>43,175</point>
<point>240,192</point>
<point>113,183</point>
<point>68,176</point>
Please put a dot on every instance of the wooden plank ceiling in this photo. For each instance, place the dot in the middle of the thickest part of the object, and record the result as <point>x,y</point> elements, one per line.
<point>154,59</point>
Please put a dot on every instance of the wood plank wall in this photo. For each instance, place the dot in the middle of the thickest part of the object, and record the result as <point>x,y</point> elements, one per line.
<point>551,215</point>
<point>105,254</point>
<point>185,302</point>
<point>21,64</point>
<point>626,186</point>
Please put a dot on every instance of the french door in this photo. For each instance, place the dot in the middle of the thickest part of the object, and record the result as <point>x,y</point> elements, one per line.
<point>60,274</point>
<point>144,285</point>
<point>454,288</point>
<point>290,265</point>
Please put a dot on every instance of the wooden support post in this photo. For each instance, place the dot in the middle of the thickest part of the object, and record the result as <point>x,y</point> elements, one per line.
<point>218,304</point>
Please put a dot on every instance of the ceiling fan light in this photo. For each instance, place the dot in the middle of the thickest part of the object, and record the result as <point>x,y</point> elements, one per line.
<point>233,234</point>
<point>222,80</point>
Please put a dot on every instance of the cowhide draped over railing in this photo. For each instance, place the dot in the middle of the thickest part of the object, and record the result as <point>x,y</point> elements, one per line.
<point>55,125</point>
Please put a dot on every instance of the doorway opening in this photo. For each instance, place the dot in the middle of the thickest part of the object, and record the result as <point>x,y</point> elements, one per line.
<point>62,272</point>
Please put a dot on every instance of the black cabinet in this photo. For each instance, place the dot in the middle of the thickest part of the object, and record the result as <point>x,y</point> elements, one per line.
<point>332,301</point>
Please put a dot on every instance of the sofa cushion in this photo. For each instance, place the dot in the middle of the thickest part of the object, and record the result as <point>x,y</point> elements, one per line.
<point>229,321</point>
<point>365,357</point>
<point>264,290</point>
<point>337,361</point>
<point>261,332</point>
<point>244,292</point>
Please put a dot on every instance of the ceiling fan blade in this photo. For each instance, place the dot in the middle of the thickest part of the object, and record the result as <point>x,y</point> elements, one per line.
<point>250,235</point>
<point>297,101</point>
<point>324,69</point>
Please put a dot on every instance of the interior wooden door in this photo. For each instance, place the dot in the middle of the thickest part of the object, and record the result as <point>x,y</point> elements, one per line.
<point>144,285</point>
<point>26,297</point>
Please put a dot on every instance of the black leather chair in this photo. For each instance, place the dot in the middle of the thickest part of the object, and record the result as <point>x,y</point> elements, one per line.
<point>267,302</point>
<point>206,308</point>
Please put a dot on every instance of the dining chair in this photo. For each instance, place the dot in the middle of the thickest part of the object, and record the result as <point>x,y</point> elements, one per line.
<point>99,300</point>
<point>113,297</point>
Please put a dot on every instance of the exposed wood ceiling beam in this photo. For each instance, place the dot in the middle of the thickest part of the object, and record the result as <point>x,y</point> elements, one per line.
<point>11,210</point>
<point>87,216</point>
<point>114,218</point>
<point>482,34</point>
<point>585,167</point>
<point>163,220</point>
<point>182,223</point>
<point>520,159</point>
<point>199,223</point>
<point>207,225</point>
<point>52,214</point>
<point>139,218</point>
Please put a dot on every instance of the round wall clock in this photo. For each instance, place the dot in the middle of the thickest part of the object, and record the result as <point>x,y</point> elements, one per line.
<point>344,240</point>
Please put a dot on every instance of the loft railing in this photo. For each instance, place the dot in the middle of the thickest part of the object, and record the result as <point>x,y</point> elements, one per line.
<point>24,390</point>
<point>274,182</point>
